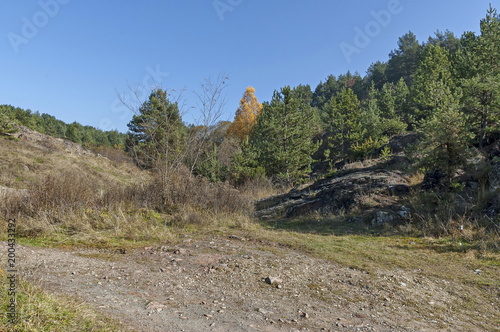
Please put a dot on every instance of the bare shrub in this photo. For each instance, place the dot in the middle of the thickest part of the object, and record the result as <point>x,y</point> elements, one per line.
<point>194,191</point>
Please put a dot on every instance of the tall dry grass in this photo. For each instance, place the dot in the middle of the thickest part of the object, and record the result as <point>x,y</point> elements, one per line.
<point>76,205</point>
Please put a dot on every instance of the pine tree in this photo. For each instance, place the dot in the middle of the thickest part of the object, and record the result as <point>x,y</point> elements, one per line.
<point>478,65</point>
<point>401,102</point>
<point>282,140</point>
<point>7,126</point>
<point>432,80</point>
<point>376,74</point>
<point>391,122</point>
<point>246,116</point>
<point>371,119</point>
<point>446,137</point>
<point>156,134</point>
<point>325,91</point>
<point>343,117</point>
<point>404,60</point>
<point>74,132</point>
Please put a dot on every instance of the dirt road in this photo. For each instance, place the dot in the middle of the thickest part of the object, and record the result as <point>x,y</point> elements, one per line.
<point>219,284</point>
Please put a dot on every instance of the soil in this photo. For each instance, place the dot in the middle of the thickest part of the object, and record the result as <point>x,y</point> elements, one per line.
<point>223,284</point>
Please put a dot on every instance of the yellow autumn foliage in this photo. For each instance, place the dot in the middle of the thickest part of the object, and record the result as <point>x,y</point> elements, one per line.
<point>246,115</point>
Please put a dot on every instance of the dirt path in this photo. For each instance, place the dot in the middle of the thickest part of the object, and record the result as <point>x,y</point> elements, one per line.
<point>219,285</point>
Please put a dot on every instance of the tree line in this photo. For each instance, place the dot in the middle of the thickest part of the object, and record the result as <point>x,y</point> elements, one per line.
<point>446,89</point>
<point>49,125</point>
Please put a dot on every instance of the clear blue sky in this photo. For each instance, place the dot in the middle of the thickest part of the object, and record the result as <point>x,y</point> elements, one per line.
<point>69,58</point>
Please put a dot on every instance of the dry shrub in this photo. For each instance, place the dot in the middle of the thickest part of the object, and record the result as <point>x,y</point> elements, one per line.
<point>444,215</point>
<point>79,205</point>
<point>183,189</point>
<point>68,190</point>
<point>259,188</point>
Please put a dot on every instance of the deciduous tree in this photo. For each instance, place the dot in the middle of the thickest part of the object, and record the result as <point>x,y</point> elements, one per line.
<point>246,116</point>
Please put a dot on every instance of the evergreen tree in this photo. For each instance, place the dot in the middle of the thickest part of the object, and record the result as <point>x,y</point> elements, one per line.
<point>303,93</point>
<point>446,137</point>
<point>325,91</point>
<point>432,80</point>
<point>73,133</point>
<point>376,74</point>
<point>446,40</point>
<point>391,122</point>
<point>7,126</point>
<point>401,101</point>
<point>371,119</point>
<point>353,82</point>
<point>343,118</point>
<point>282,140</point>
<point>156,134</point>
<point>478,65</point>
<point>404,60</point>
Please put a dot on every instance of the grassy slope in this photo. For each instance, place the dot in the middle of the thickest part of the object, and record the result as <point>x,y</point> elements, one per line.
<point>23,162</point>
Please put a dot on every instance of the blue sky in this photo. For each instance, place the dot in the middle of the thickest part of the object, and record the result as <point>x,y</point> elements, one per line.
<point>70,58</point>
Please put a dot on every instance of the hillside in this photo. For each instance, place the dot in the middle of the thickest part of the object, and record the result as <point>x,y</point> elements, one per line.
<point>31,156</point>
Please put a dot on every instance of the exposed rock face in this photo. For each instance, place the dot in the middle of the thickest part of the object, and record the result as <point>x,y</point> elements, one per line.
<point>51,143</point>
<point>364,188</point>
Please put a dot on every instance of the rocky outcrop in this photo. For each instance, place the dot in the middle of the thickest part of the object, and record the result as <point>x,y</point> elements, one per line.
<point>367,188</point>
<point>50,143</point>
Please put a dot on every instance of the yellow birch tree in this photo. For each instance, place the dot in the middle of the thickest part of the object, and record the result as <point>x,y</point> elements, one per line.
<point>246,115</point>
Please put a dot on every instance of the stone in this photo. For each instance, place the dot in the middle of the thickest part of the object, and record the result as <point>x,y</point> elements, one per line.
<point>381,218</point>
<point>155,306</point>
<point>404,212</point>
<point>273,280</point>
<point>180,251</point>
<point>264,311</point>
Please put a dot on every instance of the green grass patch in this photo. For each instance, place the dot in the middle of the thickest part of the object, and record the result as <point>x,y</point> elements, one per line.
<point>40,311</point>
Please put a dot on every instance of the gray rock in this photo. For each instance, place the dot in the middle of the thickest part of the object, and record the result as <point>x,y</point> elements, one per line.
<point>340,193</point>
<point>265,312</point>
<point>273,280</point>
<point>404,212</point>
<point>382,217</point>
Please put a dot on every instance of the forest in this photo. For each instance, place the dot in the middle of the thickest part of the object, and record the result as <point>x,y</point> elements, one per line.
<point>446,89</point>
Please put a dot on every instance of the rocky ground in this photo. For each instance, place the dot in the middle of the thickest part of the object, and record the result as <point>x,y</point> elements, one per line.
<point>233,284</point>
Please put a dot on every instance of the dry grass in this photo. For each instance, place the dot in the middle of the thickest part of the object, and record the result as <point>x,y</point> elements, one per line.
<point>38,310</point>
